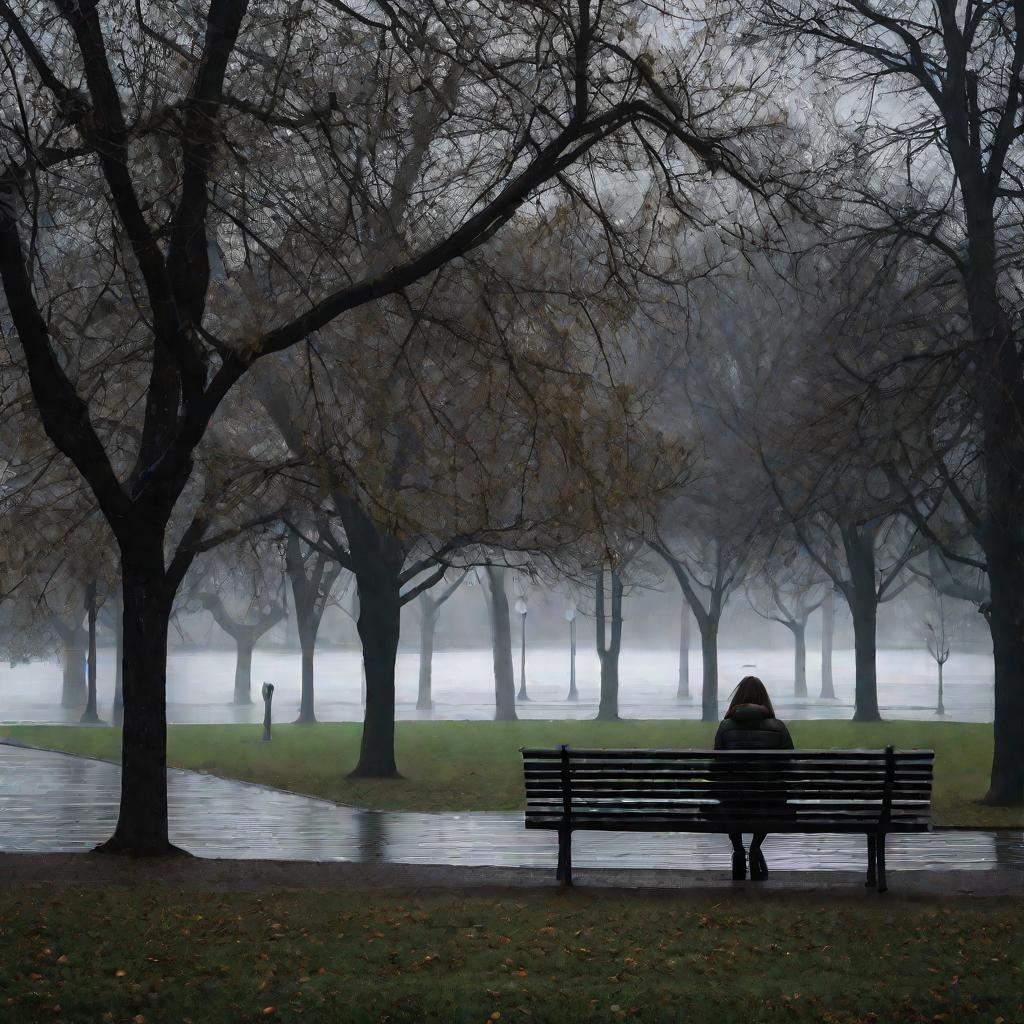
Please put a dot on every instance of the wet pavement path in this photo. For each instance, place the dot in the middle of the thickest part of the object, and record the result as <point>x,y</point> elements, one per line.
<point>60,803</point>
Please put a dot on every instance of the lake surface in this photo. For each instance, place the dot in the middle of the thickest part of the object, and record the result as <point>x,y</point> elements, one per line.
<point>200,685</point>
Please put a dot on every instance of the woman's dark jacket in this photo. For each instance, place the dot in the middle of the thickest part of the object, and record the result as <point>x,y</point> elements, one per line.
<point>750,728</point>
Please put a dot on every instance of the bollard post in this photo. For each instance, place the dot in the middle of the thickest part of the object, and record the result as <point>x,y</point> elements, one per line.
<point>268,696</point>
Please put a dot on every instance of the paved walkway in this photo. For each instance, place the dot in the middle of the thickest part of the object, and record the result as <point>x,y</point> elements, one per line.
<point>59,803</point>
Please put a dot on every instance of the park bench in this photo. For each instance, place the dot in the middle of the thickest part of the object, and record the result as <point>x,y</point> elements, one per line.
<point>867,792</point>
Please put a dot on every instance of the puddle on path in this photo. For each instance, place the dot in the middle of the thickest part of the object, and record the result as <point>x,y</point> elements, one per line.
<point>57,803</point>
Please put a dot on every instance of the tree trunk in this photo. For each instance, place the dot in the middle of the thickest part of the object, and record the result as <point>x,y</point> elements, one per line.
<point>291,632</point>
<point>862,597</point>
<point>1002,403</point>
<point>940,707</point>
<point>828,620</point>
<point>428,626</point>
<point>573,692</point>
<point>501,647</point>
<point>243,668</point>
<point>522,694</point>
<point>309,599</point>
<point>709,657</point>
<point>379,622</point>
<point>999,395</point>
<point>864,607</point>
<point>799,630</point>
<point>1006,623</point>
<point>683,684</point>
<point>308,624</point>
<point>89,716</point>
<point>74,688</point>
<point>307,711</point>
<point>117,713</point>
<point>608,708</point>
<point>142,818</point>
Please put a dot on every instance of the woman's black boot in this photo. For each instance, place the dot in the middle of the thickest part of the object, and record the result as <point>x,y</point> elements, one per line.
<point>758,868</point>
<point>739,866</point>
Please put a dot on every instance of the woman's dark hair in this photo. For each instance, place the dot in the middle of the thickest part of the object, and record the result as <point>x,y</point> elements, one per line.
<point>750,691</point>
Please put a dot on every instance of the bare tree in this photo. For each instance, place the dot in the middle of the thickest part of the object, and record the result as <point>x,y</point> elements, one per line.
<point>938,638</point>
<point>622,568</point>
<point>793,593</point>
<point>708,572</point>
<point>944,615</point>
<point>253,566</point>
<point>231,167</point>
<point>312,574</point>
<point>430,605</point>
<point>955,136</point>
<point>797,401</point>
<point>493,439</point>
<point>63,572</point>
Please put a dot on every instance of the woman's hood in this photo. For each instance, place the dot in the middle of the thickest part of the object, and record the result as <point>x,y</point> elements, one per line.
<point>749,712</point>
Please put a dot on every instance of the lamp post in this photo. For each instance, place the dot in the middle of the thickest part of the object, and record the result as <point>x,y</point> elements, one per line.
<point>521,608</point>
<point>570,615</point>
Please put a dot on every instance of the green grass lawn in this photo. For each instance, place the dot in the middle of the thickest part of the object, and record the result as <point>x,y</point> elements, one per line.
<point>462,766</point>
<point>146,957</point>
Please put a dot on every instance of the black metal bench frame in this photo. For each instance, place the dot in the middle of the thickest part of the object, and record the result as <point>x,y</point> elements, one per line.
<point>869,792</point>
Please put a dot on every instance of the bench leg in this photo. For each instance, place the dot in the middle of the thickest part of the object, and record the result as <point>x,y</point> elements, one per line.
<point>872,859</point>
<point>882,887</point>
<point>564,873</point>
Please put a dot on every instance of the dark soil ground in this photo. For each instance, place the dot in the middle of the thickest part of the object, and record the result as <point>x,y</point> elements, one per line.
<point>185,873</point>
<point>95,938</point>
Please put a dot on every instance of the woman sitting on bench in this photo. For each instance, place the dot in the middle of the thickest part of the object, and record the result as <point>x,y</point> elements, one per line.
<point>750,724</point>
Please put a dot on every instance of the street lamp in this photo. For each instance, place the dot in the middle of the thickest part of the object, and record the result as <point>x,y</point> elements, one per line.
<point>521,608</point>
<point>570,616</point>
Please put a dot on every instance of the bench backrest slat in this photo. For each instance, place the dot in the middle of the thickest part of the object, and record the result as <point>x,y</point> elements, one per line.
<point>888,787</point>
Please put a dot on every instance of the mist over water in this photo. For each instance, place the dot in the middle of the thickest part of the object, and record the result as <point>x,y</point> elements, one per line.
<point>199,685</point>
